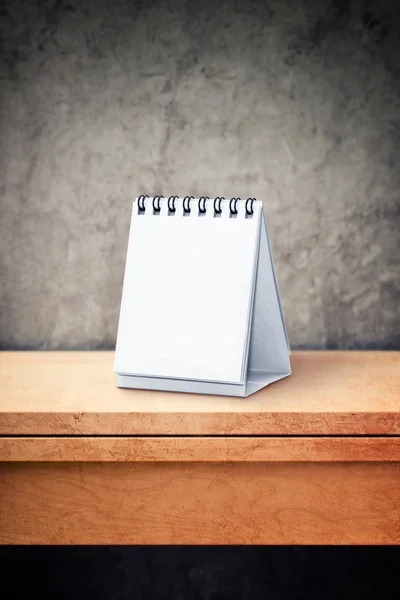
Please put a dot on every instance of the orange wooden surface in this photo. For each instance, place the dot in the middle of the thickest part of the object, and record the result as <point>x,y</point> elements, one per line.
<point>200,449</point>
<point>75,393</point>
<point>199,503</point>
<point>312,459</point>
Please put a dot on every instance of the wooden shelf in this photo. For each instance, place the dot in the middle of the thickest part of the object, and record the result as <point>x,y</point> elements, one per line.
<point>200,449</point>
<point>311,459</point>
<point>75,393</point>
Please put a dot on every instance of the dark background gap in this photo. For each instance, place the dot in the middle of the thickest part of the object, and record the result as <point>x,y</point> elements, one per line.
<point>206,573</point>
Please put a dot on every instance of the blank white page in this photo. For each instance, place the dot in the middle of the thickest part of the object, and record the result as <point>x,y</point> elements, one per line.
<point>187,295</point>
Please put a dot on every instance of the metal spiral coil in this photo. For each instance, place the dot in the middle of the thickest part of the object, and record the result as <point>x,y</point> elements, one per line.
<point>156,203</point>
<point>171,204</point>
<point>186,204</point>
<point>249,211</point>
<point>217,205</point>
<point>202,205</point>
<point>141,204</point>
<point>233,206</point>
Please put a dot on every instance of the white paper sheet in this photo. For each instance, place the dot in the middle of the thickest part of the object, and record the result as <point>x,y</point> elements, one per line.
<point>187,296</point>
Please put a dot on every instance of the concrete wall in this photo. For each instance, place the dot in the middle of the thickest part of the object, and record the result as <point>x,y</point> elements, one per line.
<point>296,103</point>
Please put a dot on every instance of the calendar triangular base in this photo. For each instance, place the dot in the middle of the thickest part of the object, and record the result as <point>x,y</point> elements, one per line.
<point>269,345</point>
<point>268,356</point>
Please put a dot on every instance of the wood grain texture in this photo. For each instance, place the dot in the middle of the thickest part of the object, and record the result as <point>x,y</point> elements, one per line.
<point>75,393</point>
<point>199,503</point>
<point>197,449</point>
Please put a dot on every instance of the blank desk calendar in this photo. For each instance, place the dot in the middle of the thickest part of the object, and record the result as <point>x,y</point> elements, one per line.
<point>200,309</point>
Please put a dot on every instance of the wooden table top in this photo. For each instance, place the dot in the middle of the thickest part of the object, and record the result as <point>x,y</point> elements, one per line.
<point>75,393</point>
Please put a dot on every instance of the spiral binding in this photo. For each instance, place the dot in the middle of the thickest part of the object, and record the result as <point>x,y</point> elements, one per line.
<point>201,205</point>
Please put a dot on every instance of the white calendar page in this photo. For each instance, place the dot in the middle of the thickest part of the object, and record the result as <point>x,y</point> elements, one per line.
<point>187,294</point>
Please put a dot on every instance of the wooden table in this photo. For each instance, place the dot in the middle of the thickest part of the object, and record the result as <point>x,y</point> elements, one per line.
<point>312,459</point>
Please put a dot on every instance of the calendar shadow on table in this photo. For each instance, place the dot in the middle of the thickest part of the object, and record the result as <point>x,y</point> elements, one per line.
<point>209,573</point>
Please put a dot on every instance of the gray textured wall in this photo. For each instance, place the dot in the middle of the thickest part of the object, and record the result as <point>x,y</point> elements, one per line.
<point>297,103</point>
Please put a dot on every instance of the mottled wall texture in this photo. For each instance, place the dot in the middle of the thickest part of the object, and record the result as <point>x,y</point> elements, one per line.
<point>294,102</point>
